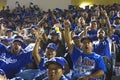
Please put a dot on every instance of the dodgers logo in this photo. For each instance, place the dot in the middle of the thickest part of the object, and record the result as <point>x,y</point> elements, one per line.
<point>84,66</point>
<point>7,60</point>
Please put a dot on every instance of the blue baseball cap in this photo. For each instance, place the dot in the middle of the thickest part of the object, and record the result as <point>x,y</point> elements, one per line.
<point>16,37</point>
<point>113,26</point>
<point>52,46</point>
<point>19,40</point>
<point>53,32</point>
<point>57,60</point>
<point>34,26</point>
<point>2,72</point>
<point>86,38</point>
<point>116,17</point>
<point>76,37</point>
<point>6,40</point>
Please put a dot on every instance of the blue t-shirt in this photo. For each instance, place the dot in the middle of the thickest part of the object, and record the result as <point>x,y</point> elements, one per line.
<point>86,64</point>
<point>42,63</point>
<point>102,48</point>
<point>13,63</point>
<point>93,35</point>
<point>115,39</point>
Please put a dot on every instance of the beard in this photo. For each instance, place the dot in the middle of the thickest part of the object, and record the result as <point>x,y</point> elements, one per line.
<point>101,37</point>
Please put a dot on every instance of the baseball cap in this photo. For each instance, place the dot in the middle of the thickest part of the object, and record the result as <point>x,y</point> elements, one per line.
<point>9,30</point>
<point>34,26</point>
<point>6,40</point>
<point>116,17</point>
<point>52,46</point>
<point>53,32</point>
<point>56,60</point>
<point>2,72</point>
<point>113,26</point>
<point>86,38</point>
<point>75,37</point>
<point>16,37</point>
<point>19,40</point>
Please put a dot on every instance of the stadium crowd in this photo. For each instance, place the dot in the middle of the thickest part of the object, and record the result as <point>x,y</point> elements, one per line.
<point>70,44</point>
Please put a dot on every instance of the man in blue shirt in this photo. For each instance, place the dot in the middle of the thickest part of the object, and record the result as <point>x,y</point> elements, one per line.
<point>49,53</point>
<point>14,59</point>
<point>55,68</point>
<point>86,64</point>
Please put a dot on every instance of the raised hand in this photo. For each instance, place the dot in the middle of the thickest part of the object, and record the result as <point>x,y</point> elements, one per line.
<point>38,35</point>
<point>67,23</point>
<point>45,16</point>
<point>103,12</point>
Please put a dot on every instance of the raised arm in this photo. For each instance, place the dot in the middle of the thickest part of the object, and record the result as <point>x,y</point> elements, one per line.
<point>84,32</point>
<point>109,29</point>
<point>104,13</point>
<point>35,52</point>
<point>68,36</point>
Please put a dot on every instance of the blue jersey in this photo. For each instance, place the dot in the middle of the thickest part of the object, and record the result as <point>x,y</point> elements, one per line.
<point>93,34</point>
<point>103,48</point>
<point>116,39</point>
<point>86,64</point>
<point>13,63</point>
<point>43,69</point>
<point>42,64</point>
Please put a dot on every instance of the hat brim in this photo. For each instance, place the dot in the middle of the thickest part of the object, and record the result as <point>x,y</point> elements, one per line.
<point>54,33</point>
<point>52,62</point>
<point>75,37</point>
<point>51,48</point>
<point>21,42</point>
<point>86,38</point>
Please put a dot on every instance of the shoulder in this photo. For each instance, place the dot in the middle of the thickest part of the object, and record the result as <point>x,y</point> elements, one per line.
<point>2,46</point>
<point>96,56</point>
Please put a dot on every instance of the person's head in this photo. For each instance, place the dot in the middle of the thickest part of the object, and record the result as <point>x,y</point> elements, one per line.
<point>76,39</point>
<point>112,13</point>
<point>87,45</point>
<point>101,34</point>
<point>93,25</point>
<point>113,28</point>
<point>118,13</point>
<point>55,68</point>
<point>117,20</point>
<point>2,75</point>
<point>97,13</point>
<point>102,21</point>
<point>9,33</point>
<point>16,45</point>
<point>54,35</point>
<point>51,50</point>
